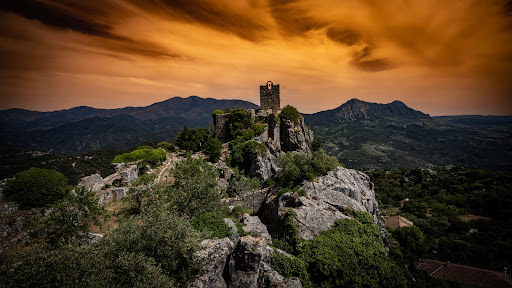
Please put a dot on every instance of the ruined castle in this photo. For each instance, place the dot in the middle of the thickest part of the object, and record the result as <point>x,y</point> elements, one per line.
<point>269,104</point>
<point>269,96</point>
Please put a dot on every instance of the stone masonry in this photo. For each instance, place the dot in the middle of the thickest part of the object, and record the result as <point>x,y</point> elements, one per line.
<point>269,96</point>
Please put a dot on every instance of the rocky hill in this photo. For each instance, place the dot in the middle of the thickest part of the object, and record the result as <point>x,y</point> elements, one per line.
<point>370,135</point>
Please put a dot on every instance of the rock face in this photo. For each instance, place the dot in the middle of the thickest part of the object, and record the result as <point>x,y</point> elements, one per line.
<point>332,197</point>
<point>280,136</point>
<point>253,225</point>
<point>246,264</point>
<point>93,182</point>
<point>112,194</point>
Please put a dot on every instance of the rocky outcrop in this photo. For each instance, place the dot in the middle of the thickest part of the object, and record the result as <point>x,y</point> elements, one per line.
<point>7,208</point>
<point>328,199</point>
<point>125,175</point>
<point>215,253</point>
<point>264,166</point>
<point>295,137</point>
<point>245,263</point>
<point>93,182</point>
<point>254,226</point>
<point>112,194</point>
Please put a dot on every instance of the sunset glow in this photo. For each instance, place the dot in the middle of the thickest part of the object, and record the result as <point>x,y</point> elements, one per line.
<point>440,57</point>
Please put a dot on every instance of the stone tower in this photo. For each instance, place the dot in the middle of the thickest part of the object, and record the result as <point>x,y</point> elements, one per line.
<point>269,96</point>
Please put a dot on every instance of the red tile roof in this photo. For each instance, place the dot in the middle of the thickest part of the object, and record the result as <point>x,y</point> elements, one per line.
<point>395,222</point>
<point>467,275</point>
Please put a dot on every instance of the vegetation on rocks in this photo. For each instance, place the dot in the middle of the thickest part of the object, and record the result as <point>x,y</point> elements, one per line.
<point>296,167</point>
<point>192,139</point>
<point>149,156</point>
<point>36,187</point>
<point>290,113</point>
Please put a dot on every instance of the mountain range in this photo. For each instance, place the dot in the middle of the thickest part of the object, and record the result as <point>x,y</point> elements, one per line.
<point>361,134</point>
<point>82,129</point>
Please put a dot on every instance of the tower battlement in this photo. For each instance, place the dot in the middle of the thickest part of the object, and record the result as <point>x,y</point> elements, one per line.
<point>269,96</point>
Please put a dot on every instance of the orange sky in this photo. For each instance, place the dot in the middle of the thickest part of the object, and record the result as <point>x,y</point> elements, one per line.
<point>440,57</point>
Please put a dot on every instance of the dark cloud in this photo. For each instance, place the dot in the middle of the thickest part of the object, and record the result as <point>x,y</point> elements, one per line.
<point>363,61</point>
<point>344,35</point>
<point>214,14</point>
<point>86,19</point>
<point>293,19</point>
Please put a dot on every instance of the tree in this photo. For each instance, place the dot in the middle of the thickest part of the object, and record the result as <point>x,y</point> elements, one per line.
<point>290,113</point>
<point>195,188</point>
<point>36,187</point>
<point>213,149</point>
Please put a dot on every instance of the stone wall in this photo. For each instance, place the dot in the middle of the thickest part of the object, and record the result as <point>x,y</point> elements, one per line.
<point>221,123</point>
<point>269,98</point>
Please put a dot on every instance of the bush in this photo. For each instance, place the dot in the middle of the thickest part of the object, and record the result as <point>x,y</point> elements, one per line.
<point>243,154</point>
<point>216,112</point>
<point>36,187</point>
<point>351,254</point>
<point>290,113</point>
<point>212,224</point>
<point>152,157</point>
<point>167,146</point>
<point>195,188</point>
<point>213,149</point>
<point>316,145</point>
<point>291,267</point>
<point>298,166</point>
<point>192,139</point>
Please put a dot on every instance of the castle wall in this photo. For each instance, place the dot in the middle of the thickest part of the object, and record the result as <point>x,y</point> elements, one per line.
<point>221,123</point>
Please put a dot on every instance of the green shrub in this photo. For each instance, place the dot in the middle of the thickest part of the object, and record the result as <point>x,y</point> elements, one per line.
<point>298,166</point>
<point>243,154</point>
<point>290,113</point>
<point>195,188</point>
<point>192,139</point>
<point>316,145</point>
<point>240,184</point>
<point>291,267</point>
<point>213,149</point>
<point>167,146</point>
<point>212,224</point>
<point>152,157</point>
<point>36,187</point>
<point>216,112</point>
<point>144,147</point>
<point>351,254</point>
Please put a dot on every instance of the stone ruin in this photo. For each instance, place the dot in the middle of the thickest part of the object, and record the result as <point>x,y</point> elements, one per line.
<point>270,103</point>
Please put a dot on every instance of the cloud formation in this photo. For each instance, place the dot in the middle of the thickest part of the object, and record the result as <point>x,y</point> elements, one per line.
<point>443,57</point>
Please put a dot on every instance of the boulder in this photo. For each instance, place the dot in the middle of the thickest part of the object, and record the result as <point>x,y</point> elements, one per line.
<point>264,166</point>
<point>295,137</point>
<point>93,182</point>
<point>246,262</point>
<point>116,193</point>
<point>215,253</point>
<point>234,231</point>
<point>328,199</point>
<point>254,226</point>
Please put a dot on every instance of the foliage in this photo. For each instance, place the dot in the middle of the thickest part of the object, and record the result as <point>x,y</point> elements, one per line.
<point>243,154</point>
<point>152,157</point>
<point>316,145</point>
<point>241,184</point>
<point>291,267</point>
<point>213,149</point>
<point>144,179</point>
<point>436,199</point>
<point>216,112</point>
<point>167,146</point>
<point>240,121</point>
<point>350,254</point>
<point>72,215</point>
<point>192,139</point>
<point>195,189</point>
<point>212,224</point>
<point>156,249</point>
<point>290,113</point>
<point>298,166</point>
<point>36,187</point>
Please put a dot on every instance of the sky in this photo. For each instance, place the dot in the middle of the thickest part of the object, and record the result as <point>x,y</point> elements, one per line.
<point>440,57</point>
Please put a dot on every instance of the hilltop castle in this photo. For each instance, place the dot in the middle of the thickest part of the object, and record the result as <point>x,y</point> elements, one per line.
<point>269,96</point>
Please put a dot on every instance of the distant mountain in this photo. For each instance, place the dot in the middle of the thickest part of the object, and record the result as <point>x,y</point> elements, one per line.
<point>365,135</point>
<point>355,109</point>
<point>82,129</point>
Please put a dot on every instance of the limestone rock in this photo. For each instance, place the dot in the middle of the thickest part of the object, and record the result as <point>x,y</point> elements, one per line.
<point>234,231</point>
<point>328,199</point>
<point>272,279</point>
<point>247,261</point>
<point>215,253</point>
<point>111,194</point>
<point>264,166</point>
<point>7,208</point>
<point>295,137</point>
<point>93,182</point>
<point>253,225</point>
